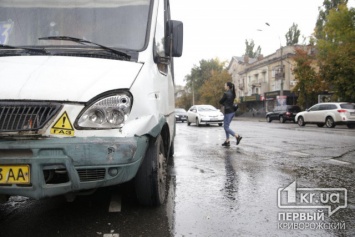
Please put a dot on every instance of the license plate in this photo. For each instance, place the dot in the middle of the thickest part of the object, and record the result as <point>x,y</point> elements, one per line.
<point>14,174</point>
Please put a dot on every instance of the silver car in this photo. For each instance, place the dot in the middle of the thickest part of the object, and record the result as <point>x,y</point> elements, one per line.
<point>329,114</point>
<point>204,114</point>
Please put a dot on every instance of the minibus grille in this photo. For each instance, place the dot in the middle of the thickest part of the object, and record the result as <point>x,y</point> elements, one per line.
<point>26,116</point>
<point>87,175</point>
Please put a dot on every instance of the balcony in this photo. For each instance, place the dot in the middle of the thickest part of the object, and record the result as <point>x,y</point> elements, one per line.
<point>279,75</point>
<point>241,86</point>
<point>255,84</point>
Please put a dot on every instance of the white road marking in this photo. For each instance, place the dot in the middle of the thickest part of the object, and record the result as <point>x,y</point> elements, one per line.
<point>115,204</point>
<point>296,153</point>
<point>111,235</point>
<point>337,162</point>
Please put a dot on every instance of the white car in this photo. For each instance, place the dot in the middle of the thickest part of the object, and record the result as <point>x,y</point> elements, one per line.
<point>329,114</point>
<point>204,114</point>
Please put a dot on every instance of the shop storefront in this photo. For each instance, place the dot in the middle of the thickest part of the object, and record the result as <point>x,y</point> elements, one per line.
<point>273,99</point>
<point>252,102</point>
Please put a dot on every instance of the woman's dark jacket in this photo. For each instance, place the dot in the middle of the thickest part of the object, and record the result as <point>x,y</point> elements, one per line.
<point>227,101</point>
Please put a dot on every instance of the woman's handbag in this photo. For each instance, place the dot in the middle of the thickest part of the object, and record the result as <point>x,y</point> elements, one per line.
<point>235,107</point>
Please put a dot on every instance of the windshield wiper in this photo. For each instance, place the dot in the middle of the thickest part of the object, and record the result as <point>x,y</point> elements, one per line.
<point>85,42</point>
<point>28,50</point>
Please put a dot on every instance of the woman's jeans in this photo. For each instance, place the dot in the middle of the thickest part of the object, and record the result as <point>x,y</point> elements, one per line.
<point>227,120</point>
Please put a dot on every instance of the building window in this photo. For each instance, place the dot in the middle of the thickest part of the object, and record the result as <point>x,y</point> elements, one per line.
<point>256,78</point>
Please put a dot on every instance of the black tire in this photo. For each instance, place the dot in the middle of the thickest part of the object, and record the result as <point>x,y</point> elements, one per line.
<point>351,126</point>
<point>268,119</point>
<point>220,124</point>
<point>282,119</point>
<point>329,122</point>
<point>172,149</point>
<point>150,181</point>
<point>300,121</point>
<point>320,125</point>
<point>188,123</point>
<point>197,123</point>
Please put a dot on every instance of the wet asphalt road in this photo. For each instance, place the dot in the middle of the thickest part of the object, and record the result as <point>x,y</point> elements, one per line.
<point>213,191</point>
<point>233,191</point>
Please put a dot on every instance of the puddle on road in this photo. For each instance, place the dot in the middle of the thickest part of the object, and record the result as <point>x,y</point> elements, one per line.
<point>239,197</point>
<point>239,200</point>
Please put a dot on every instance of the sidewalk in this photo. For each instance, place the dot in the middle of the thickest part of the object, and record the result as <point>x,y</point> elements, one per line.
<point>251,119</point>
<point>250,116</point>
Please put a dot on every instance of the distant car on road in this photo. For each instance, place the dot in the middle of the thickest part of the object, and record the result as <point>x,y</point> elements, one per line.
<point>329,114</point>
<point>283,113</point>
<point>180,115</point>
<point>204,114</point>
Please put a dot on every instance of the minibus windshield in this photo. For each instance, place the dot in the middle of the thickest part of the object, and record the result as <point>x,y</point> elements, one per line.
<point>119,24</point>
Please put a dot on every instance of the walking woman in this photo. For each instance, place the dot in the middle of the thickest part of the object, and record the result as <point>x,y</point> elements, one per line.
<point>227,101</point>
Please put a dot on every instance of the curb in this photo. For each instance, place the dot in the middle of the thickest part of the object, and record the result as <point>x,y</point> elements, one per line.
<point>251,119</point>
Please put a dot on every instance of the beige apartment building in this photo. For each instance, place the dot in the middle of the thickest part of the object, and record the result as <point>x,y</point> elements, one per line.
<point>260,83</point>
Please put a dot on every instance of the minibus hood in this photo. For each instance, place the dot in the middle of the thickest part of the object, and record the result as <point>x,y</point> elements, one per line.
<point>62,78</point>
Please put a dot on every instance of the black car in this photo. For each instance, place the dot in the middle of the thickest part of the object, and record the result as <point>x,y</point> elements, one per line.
<point>180,115</point>
<point>283,113</point>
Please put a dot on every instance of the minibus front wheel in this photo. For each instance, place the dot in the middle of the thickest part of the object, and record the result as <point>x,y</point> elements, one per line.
<point>150,181</point>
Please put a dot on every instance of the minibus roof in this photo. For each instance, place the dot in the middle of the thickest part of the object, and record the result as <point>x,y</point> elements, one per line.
<point>70,3</point>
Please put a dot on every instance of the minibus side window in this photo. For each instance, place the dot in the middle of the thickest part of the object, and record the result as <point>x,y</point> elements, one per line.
<point>160,54</point>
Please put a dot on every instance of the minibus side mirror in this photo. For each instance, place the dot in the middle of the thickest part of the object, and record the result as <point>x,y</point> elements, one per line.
<point>177,33</point>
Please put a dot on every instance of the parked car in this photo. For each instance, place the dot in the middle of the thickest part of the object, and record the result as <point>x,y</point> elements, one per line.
<point>329,114</point>
<point>204,114</point>
<point>180,115</point>
<point>283,113</point>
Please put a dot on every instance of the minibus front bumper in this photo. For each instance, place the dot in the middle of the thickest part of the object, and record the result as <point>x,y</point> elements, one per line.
<point>56,166</point>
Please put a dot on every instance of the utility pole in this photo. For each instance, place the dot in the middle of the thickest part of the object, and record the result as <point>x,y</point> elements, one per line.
<point>282,66</point>
<point>193,93</point>
<point>282,74</point>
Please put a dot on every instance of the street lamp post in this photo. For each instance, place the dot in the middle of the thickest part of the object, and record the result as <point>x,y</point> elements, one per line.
<point>282,68</point>
<point>193,93</point>
<point>282,74</point>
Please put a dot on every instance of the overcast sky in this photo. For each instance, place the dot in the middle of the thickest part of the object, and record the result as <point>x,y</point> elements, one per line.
<point>219,28</point>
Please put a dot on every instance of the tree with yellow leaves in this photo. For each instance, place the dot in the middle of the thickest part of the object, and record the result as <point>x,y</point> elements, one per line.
<point>213,88</point>
<point>336,52</point>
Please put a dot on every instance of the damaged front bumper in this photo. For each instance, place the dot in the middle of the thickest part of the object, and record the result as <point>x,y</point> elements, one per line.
<point>60,166</point>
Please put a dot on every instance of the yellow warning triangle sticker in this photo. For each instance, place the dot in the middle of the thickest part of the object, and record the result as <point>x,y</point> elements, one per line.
<point>63,122</point>
<point>63,126</point>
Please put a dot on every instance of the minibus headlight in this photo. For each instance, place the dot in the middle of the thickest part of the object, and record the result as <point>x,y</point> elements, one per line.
<point>95,116</point>
<point>115,116</point>
<point>108,112</point>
